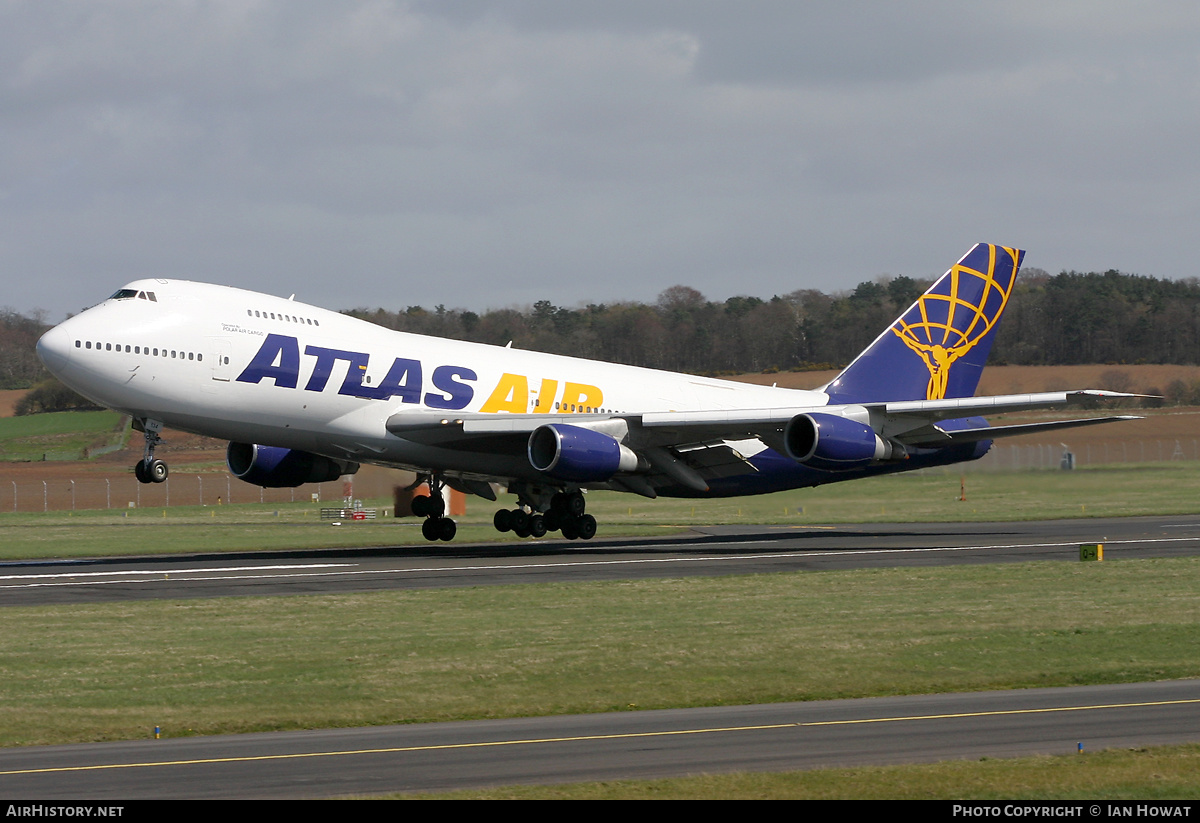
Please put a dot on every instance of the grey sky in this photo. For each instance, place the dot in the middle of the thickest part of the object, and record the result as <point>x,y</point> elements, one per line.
<point>483,155</point>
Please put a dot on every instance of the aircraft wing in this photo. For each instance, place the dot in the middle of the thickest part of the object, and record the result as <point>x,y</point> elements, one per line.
<point>914,422</point>
<point>909,423</point>
<point>692,447</point>
<point>933,436</point>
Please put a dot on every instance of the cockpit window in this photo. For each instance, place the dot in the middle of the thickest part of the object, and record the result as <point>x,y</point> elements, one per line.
<point>125,294</point>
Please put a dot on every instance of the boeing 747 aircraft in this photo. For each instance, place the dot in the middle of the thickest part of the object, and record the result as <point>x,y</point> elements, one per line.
<point>306,395</point>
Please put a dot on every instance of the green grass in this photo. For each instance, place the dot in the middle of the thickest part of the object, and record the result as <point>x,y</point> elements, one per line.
<point>934,495</point>
<point>114,671</point>
<point>69,435</point>
<point>928,496</point>
<point>1144,775</point>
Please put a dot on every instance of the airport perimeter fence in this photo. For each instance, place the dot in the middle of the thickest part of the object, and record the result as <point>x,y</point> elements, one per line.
<point>56,490</point>
<point>63,493</point>
<point>1011,457</point>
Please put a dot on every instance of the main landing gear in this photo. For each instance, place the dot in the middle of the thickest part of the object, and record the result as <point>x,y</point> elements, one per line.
<point>433,508</point>
<point>149,470</point>
<point>539,511</point>
<point>565,514</point>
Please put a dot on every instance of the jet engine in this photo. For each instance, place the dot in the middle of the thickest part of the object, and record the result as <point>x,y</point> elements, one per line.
<point>833,443</point>
<point>275,468</point>
<point>577,454</point>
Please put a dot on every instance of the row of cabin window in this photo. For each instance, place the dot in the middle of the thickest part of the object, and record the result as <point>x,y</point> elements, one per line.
<point>273,316</point>
<point>582,409</point>
<point>87,344</point>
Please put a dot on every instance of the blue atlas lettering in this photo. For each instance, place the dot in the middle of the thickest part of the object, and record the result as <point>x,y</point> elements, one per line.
<point>404,379</point>
<point>352,385</point>
<point>277,359</point>
<point>458,394</point>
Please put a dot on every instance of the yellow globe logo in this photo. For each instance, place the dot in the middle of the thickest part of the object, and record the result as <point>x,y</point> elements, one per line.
<point>959,311</point>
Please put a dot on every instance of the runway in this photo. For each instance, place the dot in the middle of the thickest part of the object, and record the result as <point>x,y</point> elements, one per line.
<point>718,550</point>
<point>628,745</point>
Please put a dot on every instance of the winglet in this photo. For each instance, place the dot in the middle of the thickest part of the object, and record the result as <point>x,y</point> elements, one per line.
<point>937,349</point>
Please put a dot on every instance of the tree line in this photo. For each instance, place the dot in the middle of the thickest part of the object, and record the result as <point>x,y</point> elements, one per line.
<point>1065,319</point>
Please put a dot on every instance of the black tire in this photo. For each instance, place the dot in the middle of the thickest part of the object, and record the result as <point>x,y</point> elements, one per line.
<point>502,520</point>
<point>576,504</point>
<point>587,527</point>
<point>446,529</point>
<point>139,471</point>
<point>429,529</point>
<point>520,522</point>
<point>158,471</point>
<point>537,526</point>
<point>420,505</point>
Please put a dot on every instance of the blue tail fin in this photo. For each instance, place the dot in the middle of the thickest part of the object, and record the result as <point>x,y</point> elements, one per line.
<point>937,349</point>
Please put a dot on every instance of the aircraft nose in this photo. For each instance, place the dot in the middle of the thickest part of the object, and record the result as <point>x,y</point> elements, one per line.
<point>54,349</point>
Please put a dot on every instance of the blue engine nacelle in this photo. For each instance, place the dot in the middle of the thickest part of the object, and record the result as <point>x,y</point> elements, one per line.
<point>577,454</point>
<point>832,443</point>
<point>277,468</point>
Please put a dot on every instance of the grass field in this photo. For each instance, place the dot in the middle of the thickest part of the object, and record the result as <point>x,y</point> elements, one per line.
<point>60,435</point>
<point>115,670</point>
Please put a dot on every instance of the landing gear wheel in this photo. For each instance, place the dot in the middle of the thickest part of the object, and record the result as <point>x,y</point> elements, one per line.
<point>424,505</point>
<point>586,526</point>
<point>439,528</point>
<point>154,471</point>
<point>537,526</point>
<point>429,529</point>
<point>502,520</point>
<point>157,471</point>
<point>570,530</point>
<point>572,503</point>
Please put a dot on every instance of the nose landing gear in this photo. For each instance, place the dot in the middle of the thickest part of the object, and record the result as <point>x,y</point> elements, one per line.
<point>148,469</point>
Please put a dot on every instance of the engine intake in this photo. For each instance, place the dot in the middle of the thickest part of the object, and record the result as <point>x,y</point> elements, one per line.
<point>833,443</point>
<point>577,454</point>
<point>277,468</point>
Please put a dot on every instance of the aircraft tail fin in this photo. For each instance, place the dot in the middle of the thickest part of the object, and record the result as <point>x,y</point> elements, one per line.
<point>937,349</point>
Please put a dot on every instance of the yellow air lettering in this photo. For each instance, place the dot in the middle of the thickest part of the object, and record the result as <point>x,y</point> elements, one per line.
<point>510,395</point>
<point>582,396</point>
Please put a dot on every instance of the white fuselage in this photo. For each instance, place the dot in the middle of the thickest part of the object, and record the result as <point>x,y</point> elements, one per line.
<point>253,368</point>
